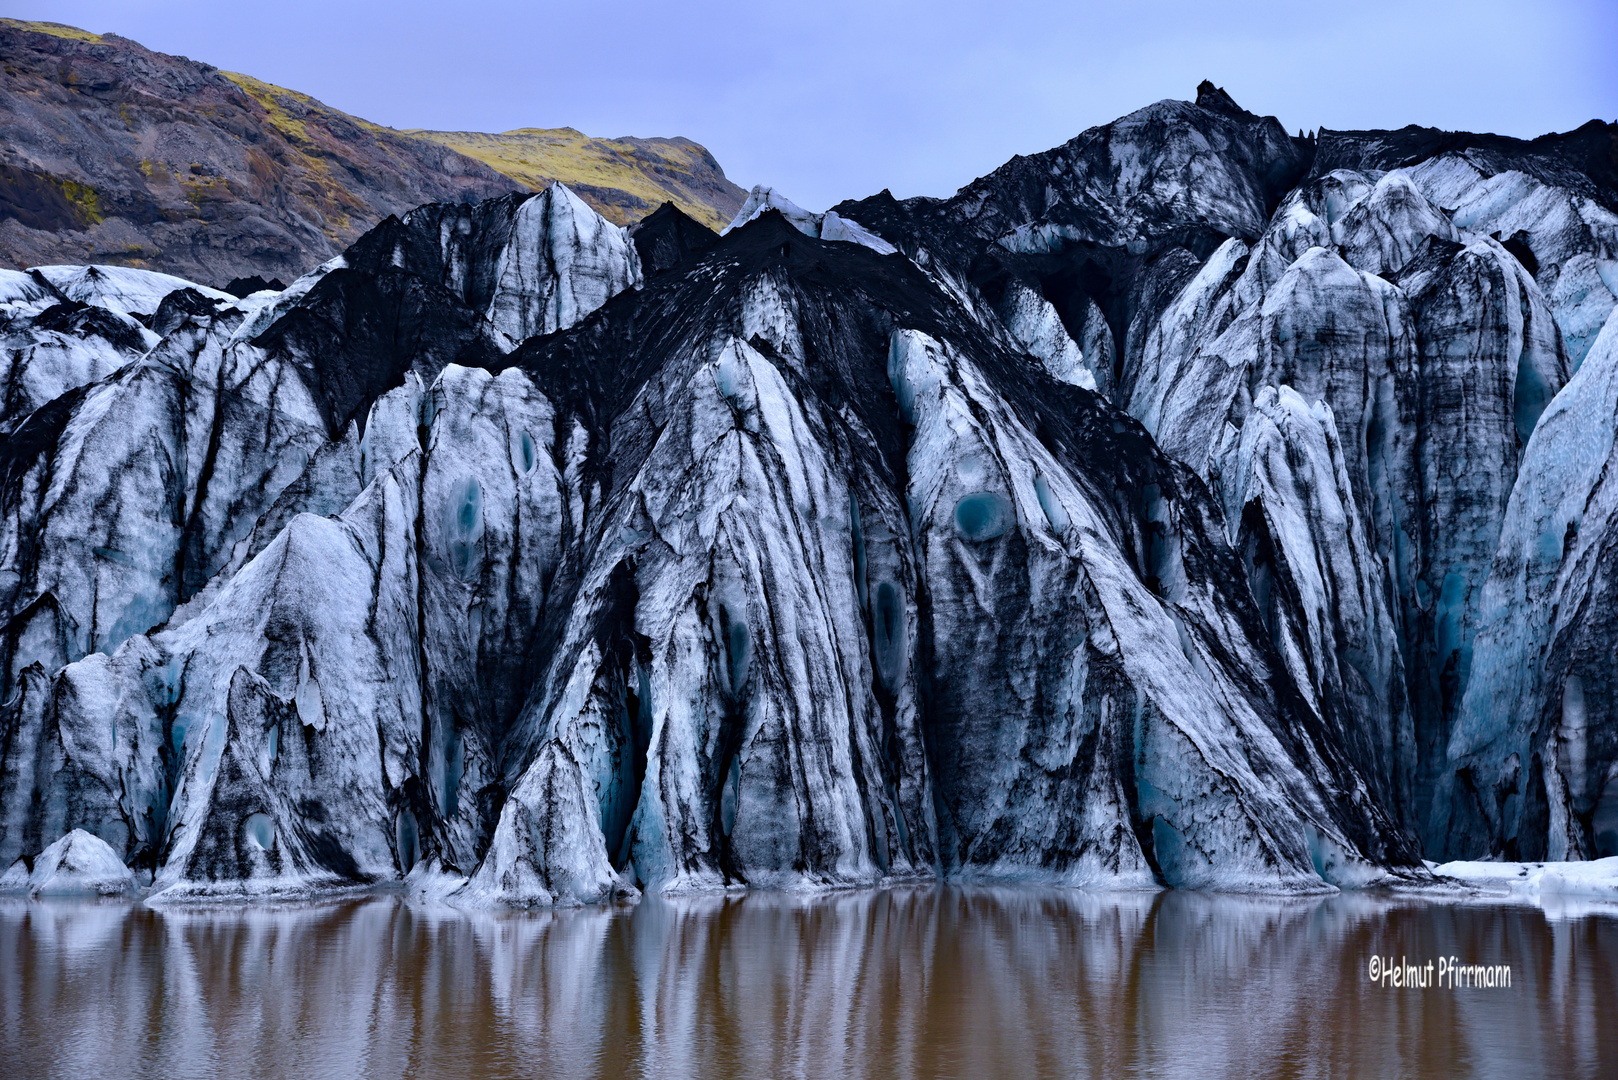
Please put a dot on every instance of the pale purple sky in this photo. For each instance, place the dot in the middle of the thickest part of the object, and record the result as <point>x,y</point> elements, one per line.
<point>841,98</point>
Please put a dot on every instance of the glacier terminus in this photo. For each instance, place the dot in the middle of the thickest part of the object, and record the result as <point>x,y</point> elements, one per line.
<point>1191,505</point>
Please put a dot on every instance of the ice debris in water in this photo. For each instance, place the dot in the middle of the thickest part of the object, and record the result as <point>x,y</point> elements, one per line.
<point>80,863</point>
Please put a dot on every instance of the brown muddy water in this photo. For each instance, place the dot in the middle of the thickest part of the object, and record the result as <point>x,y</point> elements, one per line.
<point>921,982</point>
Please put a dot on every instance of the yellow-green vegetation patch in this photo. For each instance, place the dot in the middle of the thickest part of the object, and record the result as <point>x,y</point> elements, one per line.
<point>72,33</point>
<point>279,102</point>
<point>45,201</point>
<point>84,199</point>
<point>273,98</point>
<point>199,189</point>
<point>647,172</point>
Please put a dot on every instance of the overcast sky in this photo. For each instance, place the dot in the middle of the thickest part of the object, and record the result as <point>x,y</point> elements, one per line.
<point>841,98</point>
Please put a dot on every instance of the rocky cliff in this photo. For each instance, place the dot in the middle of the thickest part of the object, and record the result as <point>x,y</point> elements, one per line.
<point>1173,508</point>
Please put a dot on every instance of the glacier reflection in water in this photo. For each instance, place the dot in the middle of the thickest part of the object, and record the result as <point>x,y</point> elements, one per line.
<point>897,983</point>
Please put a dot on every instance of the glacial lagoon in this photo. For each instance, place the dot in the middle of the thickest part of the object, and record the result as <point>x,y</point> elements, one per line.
<point>904,982</point>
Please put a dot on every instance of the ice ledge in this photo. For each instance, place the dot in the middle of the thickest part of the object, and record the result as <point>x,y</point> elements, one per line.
<point>1565,889</point>
<point>828,226</point>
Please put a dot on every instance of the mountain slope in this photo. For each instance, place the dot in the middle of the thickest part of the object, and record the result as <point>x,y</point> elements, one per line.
<point>116,154</point>
<point>623,179</point>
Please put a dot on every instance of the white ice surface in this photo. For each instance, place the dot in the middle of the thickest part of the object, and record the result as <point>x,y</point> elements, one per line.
<point>17,286</point>
<point>562,262</point>
<point>836,227</point>
<point>1562,888</point>
<point>123,289</point>
<point>763,199</point>
<point>828,226</point>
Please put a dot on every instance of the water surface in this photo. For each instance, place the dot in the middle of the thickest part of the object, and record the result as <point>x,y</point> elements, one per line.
<point>922,982</point>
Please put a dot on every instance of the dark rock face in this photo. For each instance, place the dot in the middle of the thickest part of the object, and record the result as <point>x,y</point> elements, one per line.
<point>243,287</point>
<point>667,237</point>
<point>1243,533</point>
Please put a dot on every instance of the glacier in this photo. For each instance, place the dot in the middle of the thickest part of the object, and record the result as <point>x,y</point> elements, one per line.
<point>1192,505</point>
